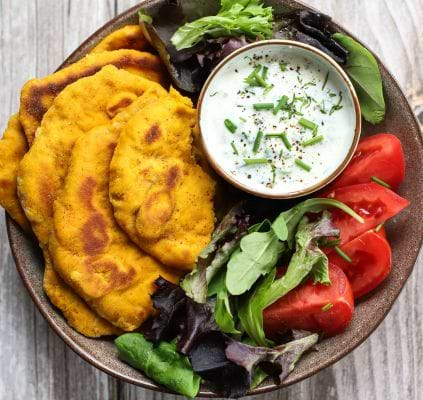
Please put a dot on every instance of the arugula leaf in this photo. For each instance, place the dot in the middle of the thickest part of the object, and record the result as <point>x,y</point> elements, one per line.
<point>236,18</point>
<point>365,75</point>
<point>303,261</point>
<point>163,363</point>
<point>280,228</point>
<point>259,253</point>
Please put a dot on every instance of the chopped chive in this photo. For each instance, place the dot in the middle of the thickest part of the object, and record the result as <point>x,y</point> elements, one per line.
<point>264,72</point>
<point>268,89</point>
<point>230,125</point>
<point>302,165</point>
<point>326,81</point>
<point>273,174</point>
<point>280,105</point>
<point>314,131</point>
<point>331,243</point>
<point>234,148</point>
<point>327,307</point>
<point>286,142</point>
<point>337,106</point>
<point>260,80</point>
<point>342,254</point>
<point>305,123</point>
<point>379,227</point>
<point>274,135</point>
<point>283,66</point>
<point>251,79</point>
<point>253,161</point>
<point>257,142</point>
<point>312,141</point>
<point>245,135</point>
<point>242,119</point>
<point>380,182</point>
<point>263,106</point>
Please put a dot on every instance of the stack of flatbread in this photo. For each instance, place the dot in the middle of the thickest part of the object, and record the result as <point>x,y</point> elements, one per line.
<point>99,164</point>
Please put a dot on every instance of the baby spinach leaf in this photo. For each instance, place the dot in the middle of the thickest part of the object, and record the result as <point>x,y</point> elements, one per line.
<point>364,72</point>
<point>259,252</point>
<point>269,290</point>
<point>163,363</point>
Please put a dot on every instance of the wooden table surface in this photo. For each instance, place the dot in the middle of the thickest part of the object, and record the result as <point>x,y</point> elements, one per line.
<point>35,37</point>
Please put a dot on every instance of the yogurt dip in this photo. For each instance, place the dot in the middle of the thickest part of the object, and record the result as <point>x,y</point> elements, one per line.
<point>278,119</point>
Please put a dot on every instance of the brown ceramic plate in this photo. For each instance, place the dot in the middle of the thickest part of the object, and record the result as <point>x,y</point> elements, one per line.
<point>405,233</point>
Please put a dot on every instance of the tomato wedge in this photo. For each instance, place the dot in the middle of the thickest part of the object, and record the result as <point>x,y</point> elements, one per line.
<point>371,262</point>
<point>313,307</point>
<point>373,202</point>
<point>379,155</point>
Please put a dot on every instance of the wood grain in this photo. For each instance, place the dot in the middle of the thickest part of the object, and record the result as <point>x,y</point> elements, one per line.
<point>35,36</point>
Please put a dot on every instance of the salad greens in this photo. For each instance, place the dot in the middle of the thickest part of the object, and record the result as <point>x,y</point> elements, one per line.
<point>307,259</point>
<point>163,363</point>
<point>364,72</point>
<point>235,18</point>
<point>260,251</point>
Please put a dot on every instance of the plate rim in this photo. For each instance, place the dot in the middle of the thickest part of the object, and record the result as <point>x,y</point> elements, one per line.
<point>84,354</point>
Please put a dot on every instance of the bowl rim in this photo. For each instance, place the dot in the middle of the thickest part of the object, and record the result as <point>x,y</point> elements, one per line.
<point>283,43</point>
<point>12,229</point>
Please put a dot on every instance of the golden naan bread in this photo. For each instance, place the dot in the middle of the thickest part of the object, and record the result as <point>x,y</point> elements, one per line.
<point>128,37</point>
<point>13,146</point>
<point>88,248</point>
<point>38,94</point>
<point>78,315</point>
<point>161,197</point>
<point>83,105</point>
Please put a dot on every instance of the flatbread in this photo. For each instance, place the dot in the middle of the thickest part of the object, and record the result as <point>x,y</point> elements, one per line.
<point>83,105</point>
<point>13,146</point>
<point>128,37</point>
<point>88,248</point>
<point>38,94</point>
<point>161,197</point>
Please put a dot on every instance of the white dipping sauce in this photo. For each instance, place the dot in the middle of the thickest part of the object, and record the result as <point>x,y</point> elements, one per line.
<point>312,91</point>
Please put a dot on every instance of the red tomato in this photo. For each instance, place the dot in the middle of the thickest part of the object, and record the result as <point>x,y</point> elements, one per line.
<point>371,262</point>
<point>378,155</point>
<point>381,232</point>
<point>313,307</point>
<point>373,202</point>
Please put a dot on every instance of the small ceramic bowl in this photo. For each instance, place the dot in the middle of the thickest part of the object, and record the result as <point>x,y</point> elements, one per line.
<point>213,110</point>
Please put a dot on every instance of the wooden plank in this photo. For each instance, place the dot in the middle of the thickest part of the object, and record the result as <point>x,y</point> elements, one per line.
<point>35,36</point>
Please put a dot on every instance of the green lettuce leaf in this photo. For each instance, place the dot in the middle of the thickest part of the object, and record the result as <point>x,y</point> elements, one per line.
<point>236,18</point>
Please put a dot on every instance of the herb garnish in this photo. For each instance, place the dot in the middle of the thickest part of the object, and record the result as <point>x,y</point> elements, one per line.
<point>234,148</point>
<point>342,254</point>
<point>305,123</point>
<point>230,125</point>
<point>327,307</point>
<point>325,81</point>
<point>263,106</point>
<point>303,165</point>
<point>253,161</point>
<point>281,104</point>
<point>313,140</point>
<point>257,142</point>
<point>380,182</point>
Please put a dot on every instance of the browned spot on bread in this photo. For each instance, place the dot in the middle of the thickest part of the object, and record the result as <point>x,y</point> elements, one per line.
<point>152,134</point>
<point>172,177</point>
<point>86,192</point>
<point>94,234</point>
<point>46,194</point>
<point>5,184</point>
<point>94,231</point>
<point>108,276</point>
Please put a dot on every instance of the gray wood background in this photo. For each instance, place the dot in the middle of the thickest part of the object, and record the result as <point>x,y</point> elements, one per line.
<point>35,37</point>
